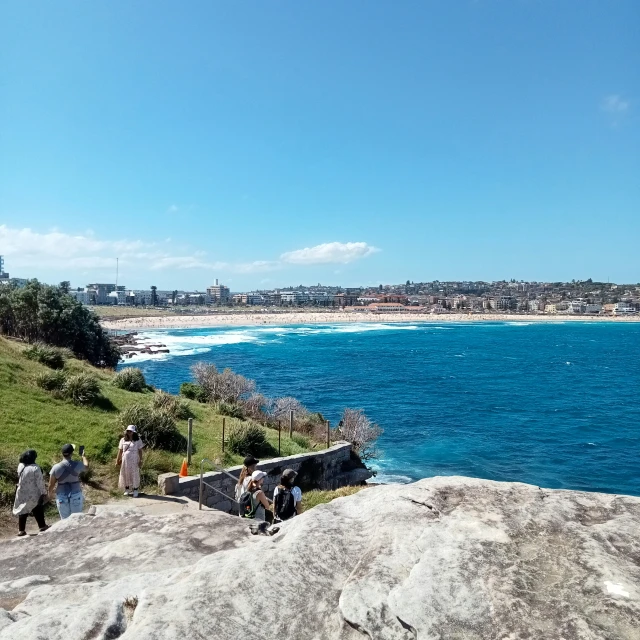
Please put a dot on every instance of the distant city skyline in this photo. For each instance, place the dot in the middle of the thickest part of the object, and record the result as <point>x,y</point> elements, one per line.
<point>361,143</point>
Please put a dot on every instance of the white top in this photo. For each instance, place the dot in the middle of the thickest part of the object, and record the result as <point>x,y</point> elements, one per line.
<point>295,491</point>
<point>240,489</point>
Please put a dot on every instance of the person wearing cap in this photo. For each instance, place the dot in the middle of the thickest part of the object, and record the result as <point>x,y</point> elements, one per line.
<point>65,479</point>
<point>259,501</point>
<point>248,467</point>
<point>130,460</point>
<point>287,499</point>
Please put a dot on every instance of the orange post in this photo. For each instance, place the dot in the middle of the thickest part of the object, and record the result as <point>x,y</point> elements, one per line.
<point>184,470</point>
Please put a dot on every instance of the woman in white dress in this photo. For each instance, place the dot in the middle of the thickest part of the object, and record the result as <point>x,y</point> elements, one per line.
<point>130,460</point>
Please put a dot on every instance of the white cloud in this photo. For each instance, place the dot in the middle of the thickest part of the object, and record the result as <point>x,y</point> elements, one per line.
<point>615,104</point>
<point>28,252</point>
<point>330,253</point>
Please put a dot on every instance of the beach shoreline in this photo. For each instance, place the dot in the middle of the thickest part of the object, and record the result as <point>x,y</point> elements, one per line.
<point>335,317</point>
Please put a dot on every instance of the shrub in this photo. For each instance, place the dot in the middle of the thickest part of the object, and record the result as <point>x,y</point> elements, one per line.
<point>231,410</point>
<point>301,441</point>
<point>51,380</point>
<point>173,405</point>
<point>81,389</point>
<point>130,379</point>
<point>357,429</point>
<point>193,392</point>
<point>51,357</point>
<point>248,438</point>
<point>222,386</point>
<point>156,427</point>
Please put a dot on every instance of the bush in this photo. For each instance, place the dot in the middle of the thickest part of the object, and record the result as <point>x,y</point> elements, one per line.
<point>357,428</point>
<point>156,427</point>
<point>51,380</point>
<point>51,357</point>
<point>222,386</point>
<point>193,392</point>
<point>247,439</point>
<point>81,389</point>
<point>231,410</point>
<point>130,379</point>
<point>301,441</point>
<point>173,405</point>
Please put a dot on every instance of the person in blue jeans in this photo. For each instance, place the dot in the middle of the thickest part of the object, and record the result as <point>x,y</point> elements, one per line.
<point>65,479</point>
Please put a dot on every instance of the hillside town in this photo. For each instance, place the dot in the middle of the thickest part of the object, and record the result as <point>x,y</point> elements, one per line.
<point>576,297</point>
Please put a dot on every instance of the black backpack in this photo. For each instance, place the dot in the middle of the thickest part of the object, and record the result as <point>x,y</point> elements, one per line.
<point>248,505</point>
<point>284,504</point>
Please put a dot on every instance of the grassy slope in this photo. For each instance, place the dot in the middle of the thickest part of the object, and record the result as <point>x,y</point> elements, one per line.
<point>32,418</point>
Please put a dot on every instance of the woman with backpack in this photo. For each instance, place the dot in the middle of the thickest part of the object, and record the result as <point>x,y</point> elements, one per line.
<point>31,493</point>
<point>253,501</point>
<point>287,499</point>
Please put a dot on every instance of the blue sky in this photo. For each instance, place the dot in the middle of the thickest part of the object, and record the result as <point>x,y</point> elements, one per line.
<point>275,143</point>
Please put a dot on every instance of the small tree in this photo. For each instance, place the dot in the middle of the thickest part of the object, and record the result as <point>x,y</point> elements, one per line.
<point>154,296</point>
<point>361,432</point>
<point>222,386</point>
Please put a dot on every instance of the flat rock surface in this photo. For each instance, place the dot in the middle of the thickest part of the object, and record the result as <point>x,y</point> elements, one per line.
<point>444,558</point>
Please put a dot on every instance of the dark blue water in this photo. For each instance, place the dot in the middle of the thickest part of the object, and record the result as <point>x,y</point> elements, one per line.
<point>556,405</point>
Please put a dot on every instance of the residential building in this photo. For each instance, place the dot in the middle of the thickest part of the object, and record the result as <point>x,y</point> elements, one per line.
<point>219,293</point>
<point>386,306</point>
<point>3,275</point>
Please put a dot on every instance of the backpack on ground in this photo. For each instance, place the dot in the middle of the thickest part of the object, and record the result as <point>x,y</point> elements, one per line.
<point>284,504</point>
<point>248,505</point>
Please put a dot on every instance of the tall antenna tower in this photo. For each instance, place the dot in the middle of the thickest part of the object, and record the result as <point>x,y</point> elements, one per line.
<point>117,266</point>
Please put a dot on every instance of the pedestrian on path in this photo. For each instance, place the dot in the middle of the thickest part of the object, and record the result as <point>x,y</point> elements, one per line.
<point>65,479</point>
<point>130,460</point>
<point>31,493</point>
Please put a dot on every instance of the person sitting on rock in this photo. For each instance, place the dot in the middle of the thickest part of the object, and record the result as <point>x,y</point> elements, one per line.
<point>31,494</point>
<point>254,502</point>
<point>248,467</point>
<point>130,460</point>
<point>287,499</point>
<point>65,479</point>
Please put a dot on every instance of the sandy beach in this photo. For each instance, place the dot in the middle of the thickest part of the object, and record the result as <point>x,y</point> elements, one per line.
<point>305,317</point>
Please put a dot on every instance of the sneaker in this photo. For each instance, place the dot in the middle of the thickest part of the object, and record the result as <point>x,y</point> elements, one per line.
<point>21,533</point>
<point>46,526</point>
<point>135,493</point>
<point>126,492</point>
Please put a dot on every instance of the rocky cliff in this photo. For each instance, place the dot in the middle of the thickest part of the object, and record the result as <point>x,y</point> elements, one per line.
<point>445,558</point>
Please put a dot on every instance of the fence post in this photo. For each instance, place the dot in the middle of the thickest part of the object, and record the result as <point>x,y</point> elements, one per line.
<point>291,424</point>
<point>224,420</point>
<point>328,435</point>
<point>279,434</point>
<point>190,441</point>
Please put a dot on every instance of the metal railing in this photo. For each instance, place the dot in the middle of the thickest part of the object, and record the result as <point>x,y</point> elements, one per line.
<point>219,469</point>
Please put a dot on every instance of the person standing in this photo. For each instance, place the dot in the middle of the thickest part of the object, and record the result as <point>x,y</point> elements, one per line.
<point>31,493</point>
<point>130,460</point>
<point>65,479</point>
<point>287,499</point>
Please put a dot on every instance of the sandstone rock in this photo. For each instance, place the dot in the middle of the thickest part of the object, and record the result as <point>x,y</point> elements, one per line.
<point>444,558</point>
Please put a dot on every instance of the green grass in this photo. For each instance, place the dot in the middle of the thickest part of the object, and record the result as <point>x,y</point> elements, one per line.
<point>30,418</point>
<point>314,498</point>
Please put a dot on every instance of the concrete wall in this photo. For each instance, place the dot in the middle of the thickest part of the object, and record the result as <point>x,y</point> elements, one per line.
<point>328,469</point>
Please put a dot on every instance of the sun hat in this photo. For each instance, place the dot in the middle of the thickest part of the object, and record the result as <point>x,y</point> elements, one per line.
<point>67,450</point>
<point>249,461</point>
<point>290,474</point>
<point>132,427</point>
<point>258,475</point>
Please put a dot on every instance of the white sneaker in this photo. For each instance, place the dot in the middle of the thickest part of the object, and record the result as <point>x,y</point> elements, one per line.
<point>135,493</point>
<point>126,492</point>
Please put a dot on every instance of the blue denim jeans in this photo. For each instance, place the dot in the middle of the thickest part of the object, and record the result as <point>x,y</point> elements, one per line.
<point>70,504</point>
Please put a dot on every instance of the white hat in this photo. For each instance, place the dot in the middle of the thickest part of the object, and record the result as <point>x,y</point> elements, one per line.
<point>132,427</point>
<point>258,475</point>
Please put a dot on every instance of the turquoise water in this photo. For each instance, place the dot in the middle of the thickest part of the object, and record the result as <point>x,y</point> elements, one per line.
<point>556,405</point>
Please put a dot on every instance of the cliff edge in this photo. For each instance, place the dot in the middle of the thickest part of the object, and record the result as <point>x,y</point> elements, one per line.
<point>446,557</point>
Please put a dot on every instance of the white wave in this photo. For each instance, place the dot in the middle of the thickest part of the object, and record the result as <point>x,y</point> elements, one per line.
<point>390,478</point>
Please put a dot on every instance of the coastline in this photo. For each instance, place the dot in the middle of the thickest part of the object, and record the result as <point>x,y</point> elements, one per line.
<point>335,317</point>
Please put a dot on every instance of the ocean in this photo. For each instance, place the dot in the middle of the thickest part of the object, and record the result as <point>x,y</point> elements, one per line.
<point>551,404</point>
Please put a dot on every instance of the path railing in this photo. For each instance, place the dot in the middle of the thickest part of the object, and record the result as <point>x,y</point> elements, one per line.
<point>215,467</point>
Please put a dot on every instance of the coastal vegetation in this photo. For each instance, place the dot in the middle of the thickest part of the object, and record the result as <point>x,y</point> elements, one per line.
<point>33,417</point>
<point>39,313</point>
